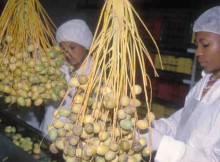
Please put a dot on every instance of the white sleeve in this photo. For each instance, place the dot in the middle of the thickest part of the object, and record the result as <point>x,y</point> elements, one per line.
<point>168,126</point>
<point>216,151</point>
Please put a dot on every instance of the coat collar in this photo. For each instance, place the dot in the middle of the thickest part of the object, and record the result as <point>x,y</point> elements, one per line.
<point>212,94</point>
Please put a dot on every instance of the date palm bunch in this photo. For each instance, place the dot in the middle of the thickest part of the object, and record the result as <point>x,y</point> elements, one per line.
<point>101,123</point>
<point>29,56</point>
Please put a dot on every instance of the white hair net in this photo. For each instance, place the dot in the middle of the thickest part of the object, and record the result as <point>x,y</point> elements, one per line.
<point>209,21</point>
<point>76,31</point>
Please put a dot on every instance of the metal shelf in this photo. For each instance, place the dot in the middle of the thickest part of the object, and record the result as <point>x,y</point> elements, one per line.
<point>192,81</point>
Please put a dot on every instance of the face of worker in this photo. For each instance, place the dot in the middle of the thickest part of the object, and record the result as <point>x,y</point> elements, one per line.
<point>208,51</point>
<point>75,53</point>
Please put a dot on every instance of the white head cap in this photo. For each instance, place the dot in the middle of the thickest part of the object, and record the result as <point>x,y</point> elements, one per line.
<point>76,31</point>
<point>209,21</point>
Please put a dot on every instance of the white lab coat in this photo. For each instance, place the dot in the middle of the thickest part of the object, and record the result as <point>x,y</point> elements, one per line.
<point>51,106</point>
<point>192,134</point>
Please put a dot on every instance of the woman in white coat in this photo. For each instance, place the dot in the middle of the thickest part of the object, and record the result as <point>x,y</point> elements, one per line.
<point>74,37</point>
<point>192,134</point>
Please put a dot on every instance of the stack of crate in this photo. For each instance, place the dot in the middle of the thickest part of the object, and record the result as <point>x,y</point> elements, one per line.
<point>175,64</point>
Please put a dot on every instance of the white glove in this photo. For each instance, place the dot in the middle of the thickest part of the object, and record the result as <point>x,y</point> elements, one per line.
<point>170,150</point>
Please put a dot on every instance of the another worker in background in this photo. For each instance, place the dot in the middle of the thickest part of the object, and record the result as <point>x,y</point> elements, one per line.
<point>74,37</point>
<point>192,134</point>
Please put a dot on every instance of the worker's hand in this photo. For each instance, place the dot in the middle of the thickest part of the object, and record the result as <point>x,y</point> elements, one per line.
<point>170,150</point>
